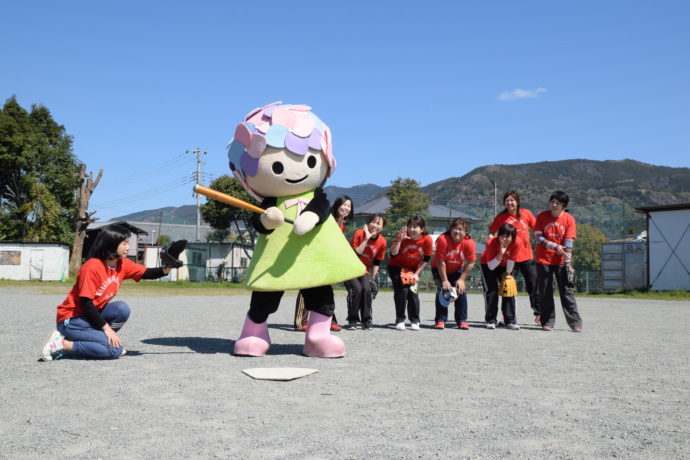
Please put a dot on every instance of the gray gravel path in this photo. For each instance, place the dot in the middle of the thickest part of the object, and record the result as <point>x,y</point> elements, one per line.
<point>621,389</point>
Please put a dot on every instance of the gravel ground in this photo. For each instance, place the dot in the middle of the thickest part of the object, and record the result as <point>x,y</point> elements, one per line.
<point>620,389</point>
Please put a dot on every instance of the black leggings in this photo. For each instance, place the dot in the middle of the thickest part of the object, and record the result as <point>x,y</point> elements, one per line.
<point>318,299</point>
<point>404,297</point>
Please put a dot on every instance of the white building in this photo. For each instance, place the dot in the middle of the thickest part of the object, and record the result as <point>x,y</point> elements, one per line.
<point>34,261</point>
<point>668,246</point>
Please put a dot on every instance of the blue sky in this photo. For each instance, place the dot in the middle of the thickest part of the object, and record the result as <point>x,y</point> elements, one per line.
<point>428,90</point>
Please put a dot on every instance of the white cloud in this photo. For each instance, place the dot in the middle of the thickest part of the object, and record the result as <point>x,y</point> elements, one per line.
<point>518,93</point>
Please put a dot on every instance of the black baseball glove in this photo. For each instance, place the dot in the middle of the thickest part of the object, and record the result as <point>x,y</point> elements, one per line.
<point>170,254</point>
<point>374,289</point>
<point>572,276</point>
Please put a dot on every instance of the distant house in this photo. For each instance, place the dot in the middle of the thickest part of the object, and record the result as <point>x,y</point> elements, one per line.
<point>95,229</point>
<point>203,260</point>
<point>668,246</point>
<point>20,260</point>
<point>437,224</point>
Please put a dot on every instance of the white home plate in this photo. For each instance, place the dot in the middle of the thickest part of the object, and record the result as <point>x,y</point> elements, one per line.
<point>278,373</point>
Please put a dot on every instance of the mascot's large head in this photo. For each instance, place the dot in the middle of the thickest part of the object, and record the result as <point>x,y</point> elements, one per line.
<point>281,150</point>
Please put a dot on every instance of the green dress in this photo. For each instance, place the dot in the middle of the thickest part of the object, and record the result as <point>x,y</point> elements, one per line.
<point>284,260</point>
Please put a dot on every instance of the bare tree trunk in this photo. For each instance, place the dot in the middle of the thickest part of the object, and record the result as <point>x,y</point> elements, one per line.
<point>84,217</point>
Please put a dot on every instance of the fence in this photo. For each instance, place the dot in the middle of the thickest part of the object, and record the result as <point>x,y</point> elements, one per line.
<point>217,262</point>
<point>587,281</point>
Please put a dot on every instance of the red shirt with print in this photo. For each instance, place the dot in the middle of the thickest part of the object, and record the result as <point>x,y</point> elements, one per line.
<point>522,225</point>
<point>493,247</point>
<point>99,282</point>
<point>374,249</point>
<point>454,254</point>
<point>555,229</point>
<point>412,252</point>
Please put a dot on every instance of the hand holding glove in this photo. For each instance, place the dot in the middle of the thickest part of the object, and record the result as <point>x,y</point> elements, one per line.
<point>170,254</point>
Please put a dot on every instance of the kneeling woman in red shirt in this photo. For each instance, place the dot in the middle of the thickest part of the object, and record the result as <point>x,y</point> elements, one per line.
<point>87,321</point>
<point>448,268</point>
<point>498,259</point>
<point>411,251</point>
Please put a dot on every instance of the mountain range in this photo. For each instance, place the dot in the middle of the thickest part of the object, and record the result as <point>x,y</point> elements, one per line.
<point>587,182</point>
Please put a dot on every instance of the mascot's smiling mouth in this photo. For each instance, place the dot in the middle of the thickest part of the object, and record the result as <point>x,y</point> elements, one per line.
<point>296,181</point>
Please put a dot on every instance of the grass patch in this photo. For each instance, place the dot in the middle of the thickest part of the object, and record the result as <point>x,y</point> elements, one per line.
<point>129,287</point>
<point>676,294</point>
<point>161,288</point>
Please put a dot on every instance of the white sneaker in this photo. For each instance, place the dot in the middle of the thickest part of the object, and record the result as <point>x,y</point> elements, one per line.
<point>491,325</point>
<point>414,326</point>
<point>52,348</point>
<point>124,352</point>
<point>513,327</point>
<point>400,326</point>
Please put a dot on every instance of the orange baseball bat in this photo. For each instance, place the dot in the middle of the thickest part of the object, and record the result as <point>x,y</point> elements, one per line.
<point>231,200</point>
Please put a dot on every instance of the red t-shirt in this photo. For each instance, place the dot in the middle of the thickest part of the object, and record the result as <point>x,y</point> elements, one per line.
<point>99,282</point>
<point>493,247</point>
<point>375,248</point>
<point>555,229</point>
<point>412,252</point>
<point>454,254</point>
<point>522,226</point>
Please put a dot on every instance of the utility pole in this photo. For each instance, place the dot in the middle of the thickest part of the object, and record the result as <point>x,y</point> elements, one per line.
<point>160,223</point>
<point>198,152</point>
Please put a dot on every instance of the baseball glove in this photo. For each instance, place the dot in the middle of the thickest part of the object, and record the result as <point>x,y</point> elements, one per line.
<point>407,277</point>
<point>508,286</point>
<point>374,289</point>
<point>170,254</point>
<point>572,276</point>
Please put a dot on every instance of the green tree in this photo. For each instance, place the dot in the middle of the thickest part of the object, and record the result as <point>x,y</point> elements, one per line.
<point>406,198</point>
<point>221,216</point>
<point>163,240</point>
<point>587,248</point>
<point>218,236</point>
<point>38,175</point>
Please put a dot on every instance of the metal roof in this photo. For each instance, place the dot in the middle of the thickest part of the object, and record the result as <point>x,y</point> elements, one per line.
<point>381,205</point>
<point>664,207</point>
<point>147,232</point>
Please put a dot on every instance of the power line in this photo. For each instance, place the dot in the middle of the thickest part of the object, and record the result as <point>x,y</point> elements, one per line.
<point>138,176</point>
<point>147,193</point>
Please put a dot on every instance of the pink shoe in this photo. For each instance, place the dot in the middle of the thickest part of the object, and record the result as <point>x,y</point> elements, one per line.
<point>319,342</point>
<point>254,340</point>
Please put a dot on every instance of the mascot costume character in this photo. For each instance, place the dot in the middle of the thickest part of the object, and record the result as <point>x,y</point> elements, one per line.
<point>282,155</point>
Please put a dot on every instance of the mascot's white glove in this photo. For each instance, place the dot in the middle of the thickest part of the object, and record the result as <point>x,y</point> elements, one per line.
<point>305,222</point>
<point>272,218</point>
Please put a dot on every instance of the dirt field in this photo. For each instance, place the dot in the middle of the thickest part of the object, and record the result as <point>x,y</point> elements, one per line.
<point>620,389</point>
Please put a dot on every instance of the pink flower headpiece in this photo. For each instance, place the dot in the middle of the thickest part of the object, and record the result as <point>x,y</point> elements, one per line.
<point>293,127</point>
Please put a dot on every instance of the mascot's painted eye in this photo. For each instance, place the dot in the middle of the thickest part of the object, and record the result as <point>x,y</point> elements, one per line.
<point>278,167</point>
<point>311,161</point>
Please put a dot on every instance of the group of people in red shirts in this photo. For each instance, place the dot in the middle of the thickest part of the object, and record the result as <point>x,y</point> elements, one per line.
<point>91,331</point>
<point>508,251</point>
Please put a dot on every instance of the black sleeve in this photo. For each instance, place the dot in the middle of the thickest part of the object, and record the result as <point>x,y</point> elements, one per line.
<point>426,259</point>
<point>376,262</point>
<point>91,312</point>
<point>319,205</point>
<point>256,217</point>
<point>153,273</point>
